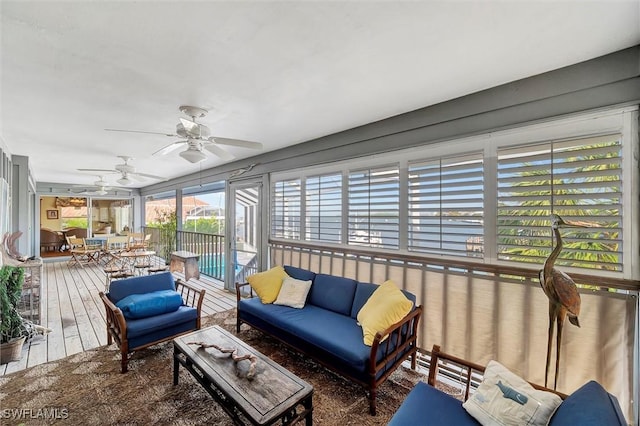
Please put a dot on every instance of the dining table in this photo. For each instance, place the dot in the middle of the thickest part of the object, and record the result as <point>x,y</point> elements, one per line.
<point>137,259</point>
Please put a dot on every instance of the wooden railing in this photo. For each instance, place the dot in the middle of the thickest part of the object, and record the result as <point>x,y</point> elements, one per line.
<point>210,247</point>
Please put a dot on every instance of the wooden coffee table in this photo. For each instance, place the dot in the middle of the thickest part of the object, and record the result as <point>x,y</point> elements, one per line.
<point>273,395</point>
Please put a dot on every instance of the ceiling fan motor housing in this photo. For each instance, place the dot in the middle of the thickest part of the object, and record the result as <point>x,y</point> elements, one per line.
<point>199,131</point>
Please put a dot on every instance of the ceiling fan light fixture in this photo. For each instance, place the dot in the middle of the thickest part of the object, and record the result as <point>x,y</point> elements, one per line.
<point>124,180</point>
<point>193,155</point>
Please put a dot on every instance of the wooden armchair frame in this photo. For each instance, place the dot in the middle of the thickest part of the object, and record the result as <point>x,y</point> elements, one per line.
<point>466,373</point>
<point>117,324</point>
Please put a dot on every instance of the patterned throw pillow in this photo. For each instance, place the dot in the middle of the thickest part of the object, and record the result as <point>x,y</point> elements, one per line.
<point>504,398</point>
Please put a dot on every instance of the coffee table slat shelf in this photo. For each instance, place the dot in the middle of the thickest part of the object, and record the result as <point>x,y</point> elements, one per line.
<point>273,395</point>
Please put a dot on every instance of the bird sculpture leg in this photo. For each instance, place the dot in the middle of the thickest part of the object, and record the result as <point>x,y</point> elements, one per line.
<point>561,315</point>
<point>552,320</point>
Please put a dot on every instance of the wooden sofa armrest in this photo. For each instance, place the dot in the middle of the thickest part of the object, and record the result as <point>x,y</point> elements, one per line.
<point>115,321</point>
<point>239,287</point>
<point>466,371</point>
<point>399,342</point>
<point>191,296</point>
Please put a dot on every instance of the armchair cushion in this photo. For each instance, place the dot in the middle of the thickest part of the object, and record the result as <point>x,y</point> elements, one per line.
<point>150,304</point>
<point>120,289</point>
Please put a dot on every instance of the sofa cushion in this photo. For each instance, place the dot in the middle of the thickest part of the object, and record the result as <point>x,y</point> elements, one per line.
<point>119,289</point>
<point>293,293</point>
<point>590,405</point>
<point>150,325</point>
<point>503,398</point>
<point>299,273</point>
<point>386,306</point>
<point>426,405</point>
<point>150,304</point>
<point>267,284</point>
<point>333,293</point>
<point>335,333</point>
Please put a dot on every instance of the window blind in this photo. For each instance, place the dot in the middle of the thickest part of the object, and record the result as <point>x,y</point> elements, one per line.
<point>446,206</point>
<point>323,218</point>
<point>285,213</point>
<point>577,180</point>
<point>374,203</point>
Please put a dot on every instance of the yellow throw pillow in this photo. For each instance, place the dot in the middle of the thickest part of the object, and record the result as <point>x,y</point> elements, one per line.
<point>267,284</point>
<point>386,306</point>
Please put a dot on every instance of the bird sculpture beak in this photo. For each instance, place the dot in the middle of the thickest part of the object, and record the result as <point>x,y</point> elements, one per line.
<point>578,224</point>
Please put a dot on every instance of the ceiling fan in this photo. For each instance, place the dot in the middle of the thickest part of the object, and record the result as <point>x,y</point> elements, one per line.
<point>127,172</point>
<point>198,136</point>
<point>102,187</point>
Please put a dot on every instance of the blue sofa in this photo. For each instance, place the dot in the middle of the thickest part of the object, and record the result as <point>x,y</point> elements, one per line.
<point>151,316</point>
<point>590,405</point>
<point>326,328</point>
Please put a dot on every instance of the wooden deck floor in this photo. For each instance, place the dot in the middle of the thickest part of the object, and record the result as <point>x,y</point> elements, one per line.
<point>71,307</point>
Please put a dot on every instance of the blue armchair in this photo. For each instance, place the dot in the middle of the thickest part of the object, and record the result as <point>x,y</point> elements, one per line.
<point>146,310</point>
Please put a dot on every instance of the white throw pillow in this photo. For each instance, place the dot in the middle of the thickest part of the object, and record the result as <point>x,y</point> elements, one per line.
<point>503,398</point>
<point>293,293</point>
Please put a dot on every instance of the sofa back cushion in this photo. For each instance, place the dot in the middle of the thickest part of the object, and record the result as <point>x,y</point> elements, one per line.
<point>120,289</point>
<point>299,273</point>
<point>333,293</point>
<point>364,291</point>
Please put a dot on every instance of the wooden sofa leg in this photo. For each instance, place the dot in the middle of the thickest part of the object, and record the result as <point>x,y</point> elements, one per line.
<point>124,363</point>
<point>237,325</point>
<point>414,359</point>
<point>372,400</point>
<point>109,338</point>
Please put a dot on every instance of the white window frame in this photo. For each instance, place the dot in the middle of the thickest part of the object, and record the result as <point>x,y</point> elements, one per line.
<point>623,121</point>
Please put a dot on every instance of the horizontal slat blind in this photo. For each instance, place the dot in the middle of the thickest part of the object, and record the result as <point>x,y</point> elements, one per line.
<point>324,208</point>
<point>374,207</point>
<point>577,180</point>
<point>285,214</point>
<point>446,206</point>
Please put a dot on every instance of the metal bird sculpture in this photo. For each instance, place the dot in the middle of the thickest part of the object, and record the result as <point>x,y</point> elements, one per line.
<point>564,299</point>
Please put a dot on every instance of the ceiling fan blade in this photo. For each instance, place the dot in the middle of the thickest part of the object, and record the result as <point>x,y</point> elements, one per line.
<point>141,131</point>
<point>146,175</point>
<point>191,127</point>
<point>137,176</point>
<point>223,154</point>
<point>98,170</point>
<point>236,142</point>
<point>167,149</point>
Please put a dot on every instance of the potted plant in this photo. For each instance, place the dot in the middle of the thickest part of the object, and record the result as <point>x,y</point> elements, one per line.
<point>11,323</point>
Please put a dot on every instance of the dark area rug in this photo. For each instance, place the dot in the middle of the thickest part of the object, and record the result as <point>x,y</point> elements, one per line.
<point>88,388</point>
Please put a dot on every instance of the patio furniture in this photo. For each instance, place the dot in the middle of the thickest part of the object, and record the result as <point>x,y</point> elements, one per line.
<point>141,311</point>
<point>273,396</point>
<point>590,405</point>
<point>185,261</point>
<point>81,253</point>
<point>50,240</point>
<point>327,329</point>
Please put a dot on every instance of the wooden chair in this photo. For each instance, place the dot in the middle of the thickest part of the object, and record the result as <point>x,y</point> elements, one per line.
<point>139,241</point>
<point>466,373</point>
<point>113,248</point>
<point>81,254</point>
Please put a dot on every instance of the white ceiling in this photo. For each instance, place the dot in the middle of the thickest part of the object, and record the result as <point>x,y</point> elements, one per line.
<point>279,73</point>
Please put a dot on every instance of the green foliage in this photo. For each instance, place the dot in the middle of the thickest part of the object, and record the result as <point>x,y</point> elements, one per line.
<point>74,222</point>
<point>211,225</point>
<point>167,222</point>
<point>11,280</point>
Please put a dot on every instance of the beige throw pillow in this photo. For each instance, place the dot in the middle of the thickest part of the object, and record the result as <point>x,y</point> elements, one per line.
<point>503,398</point>
<point>293,293</point>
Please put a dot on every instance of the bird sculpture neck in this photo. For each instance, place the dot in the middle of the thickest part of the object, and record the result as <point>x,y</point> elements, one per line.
<point>548,264</point>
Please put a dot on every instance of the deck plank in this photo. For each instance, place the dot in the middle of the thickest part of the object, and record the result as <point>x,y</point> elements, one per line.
<point>71,307</point>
